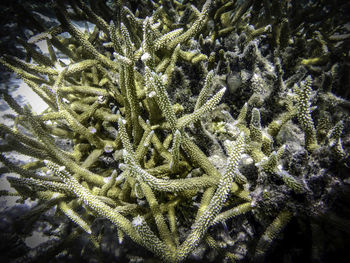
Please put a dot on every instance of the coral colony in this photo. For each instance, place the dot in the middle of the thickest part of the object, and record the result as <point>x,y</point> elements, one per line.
<point>197,131</point>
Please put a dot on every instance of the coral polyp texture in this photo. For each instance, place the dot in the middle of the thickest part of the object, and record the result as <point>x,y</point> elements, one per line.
<point>177,131</point>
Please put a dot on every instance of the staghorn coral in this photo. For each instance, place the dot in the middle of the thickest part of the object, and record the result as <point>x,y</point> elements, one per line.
<point>146,97</point>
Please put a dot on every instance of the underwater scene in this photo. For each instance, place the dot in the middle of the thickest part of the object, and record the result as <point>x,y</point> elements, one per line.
<point>175,131</point>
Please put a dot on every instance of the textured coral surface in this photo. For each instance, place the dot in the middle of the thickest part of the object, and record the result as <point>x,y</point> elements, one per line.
<point>175,131</point>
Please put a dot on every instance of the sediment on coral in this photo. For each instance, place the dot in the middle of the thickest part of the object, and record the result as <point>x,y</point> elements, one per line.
<point>178,131</point>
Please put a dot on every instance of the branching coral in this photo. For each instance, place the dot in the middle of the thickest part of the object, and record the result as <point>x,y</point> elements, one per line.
<point>152,162</point>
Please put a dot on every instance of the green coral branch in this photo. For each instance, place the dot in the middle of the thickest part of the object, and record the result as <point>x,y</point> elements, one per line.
<point>197,114</point>
<point>175,185</point>
<point>93,202</point>
<point>205,219</point>
<point>238,210</point>
<point>62,17</point>
<point>271,233</point>
<point>304,113</point>
<point>175,151</point>
<point>154,84</point>
<point>72,215</point>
